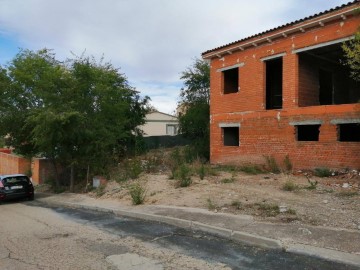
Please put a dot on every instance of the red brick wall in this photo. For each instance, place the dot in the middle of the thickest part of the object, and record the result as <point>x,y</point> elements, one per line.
<point>43,170</point>
<point>269,132</point>
<point>10,164</point>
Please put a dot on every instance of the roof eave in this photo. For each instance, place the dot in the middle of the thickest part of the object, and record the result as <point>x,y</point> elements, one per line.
<point>280,33</point>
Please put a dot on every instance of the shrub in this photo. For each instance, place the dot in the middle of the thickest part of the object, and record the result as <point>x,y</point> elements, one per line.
<point>210,204</point>
<point>183,175</point>
<point>201,171</point>
<point>100,190</point>
<point>312,184</point>
<point>288,164</point>
<point>291,211</point>
<point>228,180</point>
<point>137,193</point>
<point>133,168</point>
<point>322,172</point>
<point>289,186</point>
<point>269,210</point>
<point>175,161</point>
<point>236,204</point>
<point>272,164</point>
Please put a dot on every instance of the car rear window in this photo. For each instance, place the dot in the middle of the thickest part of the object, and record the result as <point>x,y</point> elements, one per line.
<point>15,180</point>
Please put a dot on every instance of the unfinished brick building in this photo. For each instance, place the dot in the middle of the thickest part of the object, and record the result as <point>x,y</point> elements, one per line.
<point>286,92</point>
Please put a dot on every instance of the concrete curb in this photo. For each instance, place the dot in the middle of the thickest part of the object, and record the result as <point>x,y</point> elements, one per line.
<point>323,253</point>
<point>236,236</point>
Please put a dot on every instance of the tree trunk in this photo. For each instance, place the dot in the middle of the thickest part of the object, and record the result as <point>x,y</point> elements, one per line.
<point>57,178</point>
<point>72,178</point>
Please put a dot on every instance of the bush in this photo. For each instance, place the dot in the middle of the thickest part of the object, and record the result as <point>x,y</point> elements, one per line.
<point>201,171</point>
<point>272,164</point>
<point>228,180</point>
<point>312,184</point>
<point>133,168</point>
<point>100,190</point>
<point>290,186</point>
<point>137,193</point>
<point>236,204</point>
<point>288,164</point>
<point>322,172</point>
<point>183,175</point>
<point>210,204</point>
<point>175,161</point>
<point>269,210</point>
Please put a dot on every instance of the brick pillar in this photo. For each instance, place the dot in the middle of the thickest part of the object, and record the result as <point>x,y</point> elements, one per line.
<point>290,80</point>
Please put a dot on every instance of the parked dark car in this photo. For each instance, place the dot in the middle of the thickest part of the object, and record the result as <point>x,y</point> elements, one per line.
<point>15,186</point>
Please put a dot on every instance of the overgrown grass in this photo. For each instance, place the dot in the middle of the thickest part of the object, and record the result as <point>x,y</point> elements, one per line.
<point>347,193</point>
<point>100,190</point>
<point>201,171</point>
<point>227,168</point>
<point>137,193</point>
<point>312,184</point>
<point>251,169</point>
<point>272,164</point>
<point>228,180</point>
<point>237,204</point>
<point>322,172</point>
<point>288,164</point>
<point>289,186</point>
<point>183,175</point>
<point>290,211</point>
<point>210,204</point>
<point>268,209</point>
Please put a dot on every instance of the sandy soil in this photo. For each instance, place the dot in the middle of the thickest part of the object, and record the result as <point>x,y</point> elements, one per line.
<point>335,202</point>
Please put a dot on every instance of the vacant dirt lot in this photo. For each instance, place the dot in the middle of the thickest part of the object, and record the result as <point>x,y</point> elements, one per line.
<point>333,201</point>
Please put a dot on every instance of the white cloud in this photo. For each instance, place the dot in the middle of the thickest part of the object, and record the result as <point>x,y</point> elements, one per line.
<point>150,40</point>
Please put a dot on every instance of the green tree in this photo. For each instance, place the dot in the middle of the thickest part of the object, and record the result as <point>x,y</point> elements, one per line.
<point>79,113</point>
<point>195,99</point>
<point>352,53</point>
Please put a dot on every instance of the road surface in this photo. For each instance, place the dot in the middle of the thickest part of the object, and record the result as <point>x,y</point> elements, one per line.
<point>36,237</point>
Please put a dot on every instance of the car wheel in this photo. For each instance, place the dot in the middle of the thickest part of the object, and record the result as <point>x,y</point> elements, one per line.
<point>31,197</point>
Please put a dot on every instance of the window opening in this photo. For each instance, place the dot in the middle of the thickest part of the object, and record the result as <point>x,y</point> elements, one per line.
<point>324,79</point>
<point>274,83</point>
<point>326,88</point>
<point>171,129</point>
<point>231,80</point>
<point>231,136</point>
<point>349,132</point>
<point>307,132</point>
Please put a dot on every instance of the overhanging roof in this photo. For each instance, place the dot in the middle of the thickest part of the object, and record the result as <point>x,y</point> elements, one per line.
<point>319,19</point>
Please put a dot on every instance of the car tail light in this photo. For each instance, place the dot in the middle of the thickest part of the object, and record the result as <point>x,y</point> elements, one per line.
<point>1,184</point>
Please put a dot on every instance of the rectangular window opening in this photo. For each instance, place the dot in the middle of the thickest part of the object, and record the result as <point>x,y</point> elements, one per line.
<point>231,136</point>
<point>274,83</point>
<point>349,132</point>
<point>326,88</point>
<point>231,80</point>
<point>307,132</point>
<point>171,130</point>
<point>324,79</point>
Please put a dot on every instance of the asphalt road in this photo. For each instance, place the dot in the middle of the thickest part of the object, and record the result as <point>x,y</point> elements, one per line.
<point>36,237</point>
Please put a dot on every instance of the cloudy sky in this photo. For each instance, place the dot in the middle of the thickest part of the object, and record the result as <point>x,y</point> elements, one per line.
<point>151,41</point>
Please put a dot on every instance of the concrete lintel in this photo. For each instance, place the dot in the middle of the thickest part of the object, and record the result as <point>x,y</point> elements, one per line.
<point>222,125</point>
<point>306,122</point>
<point>322,44</point>
<point>231,67</point>
<point>273,56</point>
<point>345,121</point>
